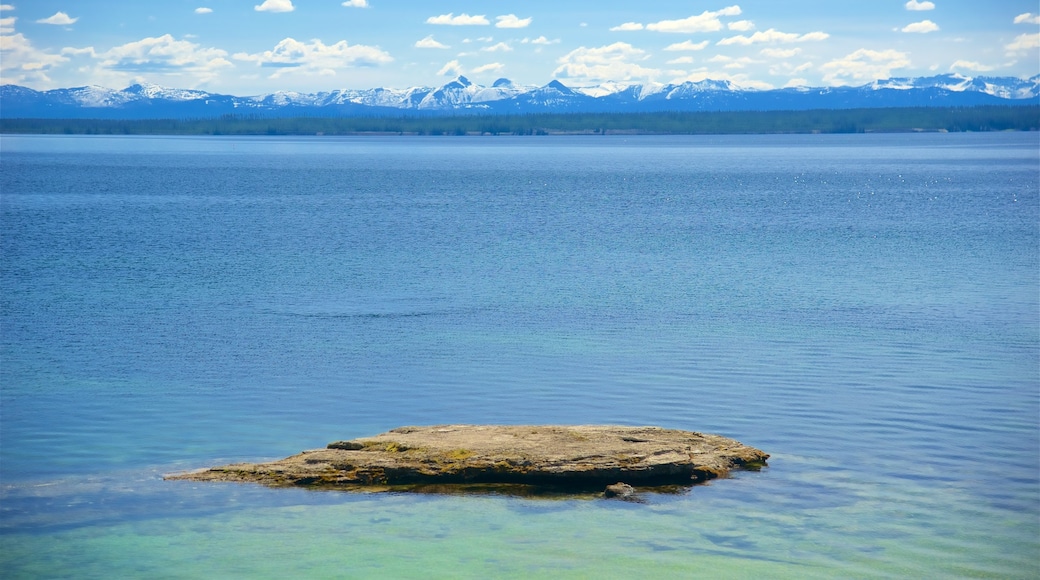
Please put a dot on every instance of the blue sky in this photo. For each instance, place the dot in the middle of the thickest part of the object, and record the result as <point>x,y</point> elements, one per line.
<point>247,47</point>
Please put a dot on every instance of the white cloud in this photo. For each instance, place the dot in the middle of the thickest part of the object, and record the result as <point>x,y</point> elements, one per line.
<point>681,60</point>
<point>922,27</point>
<point>182,62</point>
<point>203,10</point>
<point>813,36</point>
<point>741,25</point>
<point>512,21</point>
<point>613,62</point>
<point>429,42</point>
<point>627,27</point>
<point>541,40</point>
<point>741,62</point>
<point>500,47</point>
<point>864,66</point>
<point>7,25</point>
<point>356,4</point>
<point>970,65</point>
<point>493,66</point>
<point>687,45</point>
<point>451,69</point>
<point>461,20</point>
<point>315,57</point>
<point>915,5</point>
<point>707,21</point>
<point>730,62</point>
<point>59,18</point>
<point>1027,18</point>
<point>780,52</point>
<point>160,55</point>
<point>6,7</point>
<point>88,51</point>
<point>788,70</point>
<point>773,36</point>
<point>1024,42</point>
<point>22,63</point>
<point>275,6</point>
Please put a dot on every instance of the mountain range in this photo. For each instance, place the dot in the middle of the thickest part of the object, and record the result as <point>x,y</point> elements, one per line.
<point>460,96</point>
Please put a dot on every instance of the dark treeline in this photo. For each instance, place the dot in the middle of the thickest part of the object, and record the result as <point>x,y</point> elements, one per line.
<point>956,119</point>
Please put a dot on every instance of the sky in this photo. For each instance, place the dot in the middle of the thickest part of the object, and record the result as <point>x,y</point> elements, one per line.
<point>250,47</point>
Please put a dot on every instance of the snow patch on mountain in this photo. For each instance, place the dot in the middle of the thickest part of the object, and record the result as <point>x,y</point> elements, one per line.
<point>603,89</point>
<point>152,91</point>
<point>1002,87</point>
<point>689,88</point>
<point>95,96</point>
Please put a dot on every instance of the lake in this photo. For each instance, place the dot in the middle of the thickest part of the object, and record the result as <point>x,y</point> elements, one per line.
<point>865,308</point>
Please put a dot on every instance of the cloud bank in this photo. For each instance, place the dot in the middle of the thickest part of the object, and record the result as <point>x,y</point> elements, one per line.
<point>863,66</point>
<point>707,21</point>
<point>315,57</point>
<point>613,62</point>
<point>450,19</point>
<point>773,36</point>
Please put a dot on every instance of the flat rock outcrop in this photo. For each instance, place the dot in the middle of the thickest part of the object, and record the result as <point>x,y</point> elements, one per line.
<point>577,458</point>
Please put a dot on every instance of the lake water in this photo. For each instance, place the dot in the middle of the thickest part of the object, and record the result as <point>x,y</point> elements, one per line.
<point>862,307</point>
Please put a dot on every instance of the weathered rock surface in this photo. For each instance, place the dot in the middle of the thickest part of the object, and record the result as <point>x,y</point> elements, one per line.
<point>619,489</point>
<point>572,457</point>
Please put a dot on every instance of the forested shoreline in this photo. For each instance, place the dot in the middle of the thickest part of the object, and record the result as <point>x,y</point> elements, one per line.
<point>871,120</point>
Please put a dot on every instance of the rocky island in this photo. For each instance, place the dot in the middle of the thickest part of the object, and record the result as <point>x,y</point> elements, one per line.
<point>549,457</point>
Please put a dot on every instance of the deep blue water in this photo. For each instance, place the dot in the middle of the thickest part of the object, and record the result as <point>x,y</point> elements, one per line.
<point>863,307</point>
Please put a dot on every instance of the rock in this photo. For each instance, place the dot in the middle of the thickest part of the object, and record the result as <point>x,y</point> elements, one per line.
<point>347,445</point>
<point>575,458</point>
<point>619,489</point>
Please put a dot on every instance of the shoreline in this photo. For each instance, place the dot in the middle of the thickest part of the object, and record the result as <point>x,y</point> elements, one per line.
<point>819,121</point>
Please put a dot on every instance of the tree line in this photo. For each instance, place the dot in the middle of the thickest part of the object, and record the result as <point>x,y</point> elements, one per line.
<point>880,120</point>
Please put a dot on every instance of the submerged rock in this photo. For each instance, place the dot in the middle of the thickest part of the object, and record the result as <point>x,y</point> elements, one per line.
<point>576,458</point>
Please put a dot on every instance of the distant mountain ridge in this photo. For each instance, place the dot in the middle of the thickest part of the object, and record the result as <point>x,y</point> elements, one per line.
<point>461,96</point>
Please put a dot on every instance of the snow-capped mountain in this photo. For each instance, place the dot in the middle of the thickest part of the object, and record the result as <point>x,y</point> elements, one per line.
<point>461,96</point>
<point>1003,87</point>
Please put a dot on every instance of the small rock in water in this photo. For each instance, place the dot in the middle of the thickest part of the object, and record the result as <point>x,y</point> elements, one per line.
<point>620,490</point>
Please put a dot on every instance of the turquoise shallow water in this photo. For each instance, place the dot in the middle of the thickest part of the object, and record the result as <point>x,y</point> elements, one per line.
<point>863,307</point>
